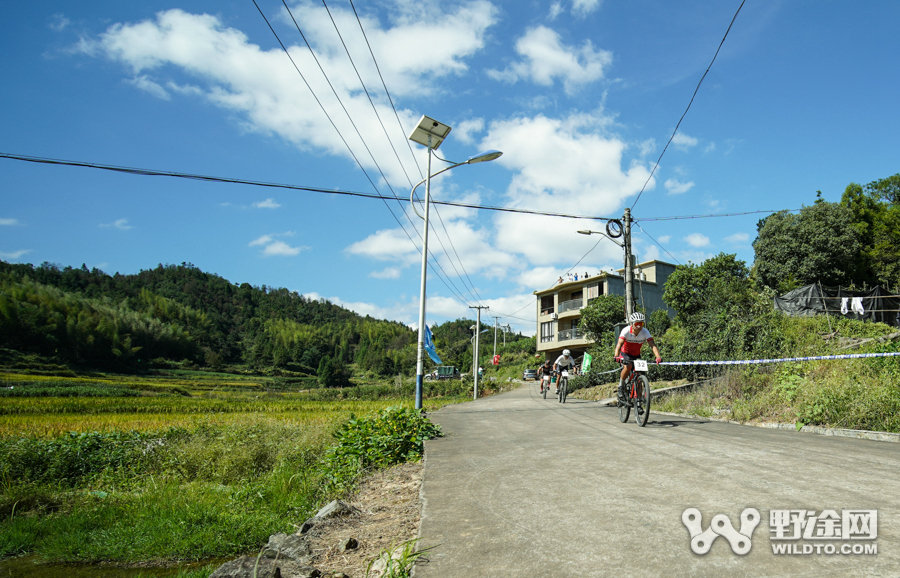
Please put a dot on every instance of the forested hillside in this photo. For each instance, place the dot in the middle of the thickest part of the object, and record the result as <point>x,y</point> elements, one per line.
<point>178,313</point>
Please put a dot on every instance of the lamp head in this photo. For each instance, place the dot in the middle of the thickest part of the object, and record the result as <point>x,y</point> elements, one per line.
<point>484,157</point>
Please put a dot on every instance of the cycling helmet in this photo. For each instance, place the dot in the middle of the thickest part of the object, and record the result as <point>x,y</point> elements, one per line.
<point>566,353</point>
<point>636,317</point>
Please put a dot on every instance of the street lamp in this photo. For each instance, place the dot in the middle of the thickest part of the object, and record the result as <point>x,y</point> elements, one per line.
<point>431,134</point>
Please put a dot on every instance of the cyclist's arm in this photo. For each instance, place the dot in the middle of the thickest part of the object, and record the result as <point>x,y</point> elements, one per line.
<point>619,344</point>
<point>655,349</point>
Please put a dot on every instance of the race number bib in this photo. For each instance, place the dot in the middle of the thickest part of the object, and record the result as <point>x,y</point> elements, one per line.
<point>565,373</point>
<point>640,365</point>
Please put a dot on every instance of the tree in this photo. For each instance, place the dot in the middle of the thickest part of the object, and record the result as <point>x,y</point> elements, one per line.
<point>820,244</point>
<point>876,217</point>
<point>691,288</point>
<point>601,315</point>
<point>719,312</point>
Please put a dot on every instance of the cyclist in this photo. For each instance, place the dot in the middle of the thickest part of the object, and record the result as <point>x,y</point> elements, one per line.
<point>564,361</point>
<point>628,347</point>
<point>543,373</point>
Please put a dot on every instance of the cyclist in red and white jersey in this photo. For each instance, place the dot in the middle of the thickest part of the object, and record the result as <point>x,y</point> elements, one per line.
<point>628,347</point>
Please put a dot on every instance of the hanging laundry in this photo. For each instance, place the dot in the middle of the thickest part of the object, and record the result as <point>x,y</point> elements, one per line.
<point>856,305</point>
<point>844,305</point>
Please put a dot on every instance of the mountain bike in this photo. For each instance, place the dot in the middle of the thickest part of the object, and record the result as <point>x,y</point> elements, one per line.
<point>545,385</point>
<point>637,390</point>
<point>563,383</point>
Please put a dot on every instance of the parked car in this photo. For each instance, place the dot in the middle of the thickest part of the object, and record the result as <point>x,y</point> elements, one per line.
<point>529,374</point>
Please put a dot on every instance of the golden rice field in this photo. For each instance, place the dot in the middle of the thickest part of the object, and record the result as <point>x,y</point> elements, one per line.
<point>221,402</point>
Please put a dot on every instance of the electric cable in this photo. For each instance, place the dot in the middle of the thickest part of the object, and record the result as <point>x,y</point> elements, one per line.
<point>715,215</point>
<point>372,156</point>
<point>214,179</point>
<point>688,106</point>
<point>658,245</point>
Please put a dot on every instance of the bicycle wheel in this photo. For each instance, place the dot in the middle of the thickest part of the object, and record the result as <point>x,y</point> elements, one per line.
<point>625,408</point>
<point>564,391</point>
<point>545,390</point>
<point>642,402</point>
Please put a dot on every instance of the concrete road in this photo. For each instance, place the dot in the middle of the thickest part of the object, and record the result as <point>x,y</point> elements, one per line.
<point>522,486</point>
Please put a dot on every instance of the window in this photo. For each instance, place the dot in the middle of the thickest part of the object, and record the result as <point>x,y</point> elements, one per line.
<point>546,332</point>
<point>547,305</point>
<point>593,290</point>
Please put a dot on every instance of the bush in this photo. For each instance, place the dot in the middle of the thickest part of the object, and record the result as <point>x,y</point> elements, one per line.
<point>394,436</point>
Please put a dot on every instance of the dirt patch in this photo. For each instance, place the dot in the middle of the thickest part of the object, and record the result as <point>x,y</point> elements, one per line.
<point>389,506</point>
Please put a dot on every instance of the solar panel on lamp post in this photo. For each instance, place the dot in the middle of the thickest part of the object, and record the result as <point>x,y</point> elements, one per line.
<point>431,134</point>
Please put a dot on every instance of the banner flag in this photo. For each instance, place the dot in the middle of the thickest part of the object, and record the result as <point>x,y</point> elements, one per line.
<point>428,346</point>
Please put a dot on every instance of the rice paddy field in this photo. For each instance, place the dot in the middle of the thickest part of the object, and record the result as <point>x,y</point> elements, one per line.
<point>169,470</point>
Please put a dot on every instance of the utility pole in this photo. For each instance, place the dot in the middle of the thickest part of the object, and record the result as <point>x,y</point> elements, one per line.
<point>495,335</point>
<point>475,363</point>
<point>629,266</point>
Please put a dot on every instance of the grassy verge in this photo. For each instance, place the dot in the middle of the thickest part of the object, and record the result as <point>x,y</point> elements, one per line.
<point>162,479</point>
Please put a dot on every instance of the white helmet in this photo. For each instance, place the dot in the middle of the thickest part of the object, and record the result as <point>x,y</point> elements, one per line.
<point>566,353</point>
<point>636,317</point>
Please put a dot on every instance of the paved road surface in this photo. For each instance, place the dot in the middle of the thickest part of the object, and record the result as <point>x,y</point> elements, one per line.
<point>522,486</point>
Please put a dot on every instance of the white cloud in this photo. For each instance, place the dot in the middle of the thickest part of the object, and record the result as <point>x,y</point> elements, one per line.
<point>738,238</point>
<point>264,240</point>
<point>584,7</point>
<point>121,224</point>
<point>59,22</point>
<point>465,130</point>
<point>697,240</point>
<point>556,9</point>
<point>262,87</point>
<point>8,222</point>
<point>387,245</point>
<point>684,141</point>
<point>273,247</point>
<point>14,255</point>
<point>545,58</point>
<point>647,147</point>
<point>388,273</point>
<point>282,249</point>
<point>267,204</point>
<point>676,188</point>
<point>710,148</point>
<point>144,83</point>
<point>665,238</point>
<point>566,165</point>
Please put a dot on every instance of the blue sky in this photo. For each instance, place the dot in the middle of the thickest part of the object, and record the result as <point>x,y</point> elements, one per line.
<point>581,96</point>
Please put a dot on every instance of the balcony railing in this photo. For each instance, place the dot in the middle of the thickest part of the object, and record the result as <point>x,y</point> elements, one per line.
<point>570,334</point>
<point>572,305</point>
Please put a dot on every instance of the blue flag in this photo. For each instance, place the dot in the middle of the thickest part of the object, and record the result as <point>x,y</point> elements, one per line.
<point>428,346</point>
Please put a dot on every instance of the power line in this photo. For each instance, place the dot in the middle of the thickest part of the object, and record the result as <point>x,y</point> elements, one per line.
<point>362,139</point>
<point>657,244</point>
<point>471,286</point>
<point>716,215</point>
<point>689,105</point>
<point>214,179</point>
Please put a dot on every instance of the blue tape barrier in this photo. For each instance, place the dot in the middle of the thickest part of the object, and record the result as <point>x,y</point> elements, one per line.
<point>783,359</point>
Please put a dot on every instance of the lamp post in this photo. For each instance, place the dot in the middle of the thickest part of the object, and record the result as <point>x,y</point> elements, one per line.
<point>431,134</point>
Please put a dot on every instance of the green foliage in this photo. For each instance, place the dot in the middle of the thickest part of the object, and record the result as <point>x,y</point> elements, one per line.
<point>601,315</point>
<point>876,217</point>
<point>171,313</point>
<point>820,244</point>
<point>394,436</point>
